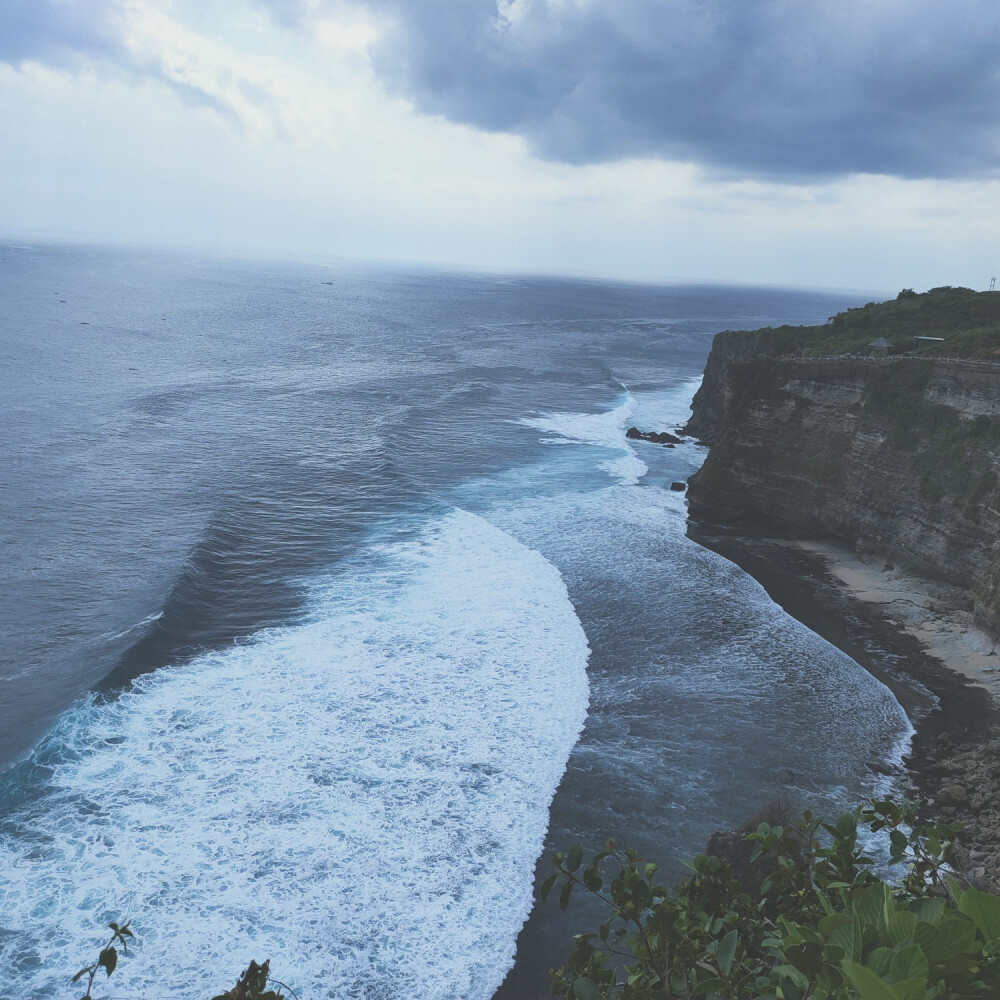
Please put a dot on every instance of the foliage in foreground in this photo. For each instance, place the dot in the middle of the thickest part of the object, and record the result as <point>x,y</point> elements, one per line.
<point>253,983</point>
<point>822,926</point>
<point>108,957</point>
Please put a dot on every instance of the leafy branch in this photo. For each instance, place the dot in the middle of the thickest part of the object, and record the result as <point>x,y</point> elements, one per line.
<point>107,959</point>
<point>809,918</point>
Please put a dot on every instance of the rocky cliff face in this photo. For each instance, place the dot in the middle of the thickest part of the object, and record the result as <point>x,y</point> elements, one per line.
<point>899,457</point>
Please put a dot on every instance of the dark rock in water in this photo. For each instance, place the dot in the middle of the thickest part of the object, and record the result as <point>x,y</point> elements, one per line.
<point>952,795</point>
<point>655,437</point>
<point>678,487</point>
<point>786,776</point>
<point>880,767</point>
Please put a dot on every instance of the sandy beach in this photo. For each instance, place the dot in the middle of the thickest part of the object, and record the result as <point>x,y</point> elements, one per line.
<point>938,615</point>
<point>921,639</point>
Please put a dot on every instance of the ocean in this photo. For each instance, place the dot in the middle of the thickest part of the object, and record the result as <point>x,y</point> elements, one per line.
<point>335,596</point>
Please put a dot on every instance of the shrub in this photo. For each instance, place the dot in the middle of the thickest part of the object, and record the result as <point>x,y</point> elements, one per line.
<point>824,925</point>
<point>253,983</point>
<point>108,957</point>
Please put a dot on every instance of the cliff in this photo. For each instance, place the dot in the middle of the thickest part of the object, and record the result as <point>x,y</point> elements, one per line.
<point>898,456</point>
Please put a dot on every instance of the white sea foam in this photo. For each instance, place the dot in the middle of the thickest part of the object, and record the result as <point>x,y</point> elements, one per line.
<point>604,430</point>
<point>654,410</point>
<point>360,797</point>
<point>665,409</point>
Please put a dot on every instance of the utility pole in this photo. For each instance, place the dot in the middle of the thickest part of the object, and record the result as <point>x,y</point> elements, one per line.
<point>993,283</point>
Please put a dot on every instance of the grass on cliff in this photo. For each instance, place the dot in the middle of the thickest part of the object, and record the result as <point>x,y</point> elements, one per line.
<point>968,321</point>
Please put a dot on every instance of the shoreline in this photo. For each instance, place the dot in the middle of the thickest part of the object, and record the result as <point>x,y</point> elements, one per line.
<point>951,715</point>
<point>938,615</point>
<point>916,636</point>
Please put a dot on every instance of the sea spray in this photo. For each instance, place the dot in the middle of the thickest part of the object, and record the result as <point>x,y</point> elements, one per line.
<point>360,797</point>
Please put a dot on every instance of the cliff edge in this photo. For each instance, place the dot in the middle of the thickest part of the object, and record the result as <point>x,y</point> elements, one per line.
<point>890,444</point>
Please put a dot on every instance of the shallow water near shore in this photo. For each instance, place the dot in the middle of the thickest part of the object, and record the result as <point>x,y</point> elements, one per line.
<point>323,580</point>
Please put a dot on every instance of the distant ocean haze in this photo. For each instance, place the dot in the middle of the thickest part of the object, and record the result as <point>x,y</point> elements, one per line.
<point>321,582</point>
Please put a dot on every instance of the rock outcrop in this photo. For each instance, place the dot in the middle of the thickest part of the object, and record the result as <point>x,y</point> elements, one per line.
<point>655,437</point>
<point>899,457</point>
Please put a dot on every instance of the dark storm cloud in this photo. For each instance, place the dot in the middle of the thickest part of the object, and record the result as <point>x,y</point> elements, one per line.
<point>781,88</point>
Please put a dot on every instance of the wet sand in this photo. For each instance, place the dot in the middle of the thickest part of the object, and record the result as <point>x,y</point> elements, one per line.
<point>938,615</point>
<point>913,635</point>
<point>921,639</point>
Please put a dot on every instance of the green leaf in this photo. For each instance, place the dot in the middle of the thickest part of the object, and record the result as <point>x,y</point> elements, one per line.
<point>829,924</point>
<point>850,938</point>
<point>954,888</point>
<point>575,857</point>
<point>869,985</point>
<point>910,989</point>
<point>640,895</point>
<point>546,888</point>
<point>984,911</point>
<point>847,826</point>
<point>585,989</point>
<point>952,937</point>
<point>900,925</point>
<point>564,895</point>
<point>925,935</point>
<point>713,985</point>
<point>908,962</point>
<point>879,961</point>
<point>899,843</point>
<point>795,975</point>
<point>871,906</point>
<point>727,951</point>
<point>929,909</point>
<point>81,974</point>
<point>109,959</point>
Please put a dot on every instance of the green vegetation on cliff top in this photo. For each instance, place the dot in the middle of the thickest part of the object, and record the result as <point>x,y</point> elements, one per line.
<point>968,321</point>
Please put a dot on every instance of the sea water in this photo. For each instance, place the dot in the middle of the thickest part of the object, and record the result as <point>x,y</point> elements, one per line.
<point>321,581</point>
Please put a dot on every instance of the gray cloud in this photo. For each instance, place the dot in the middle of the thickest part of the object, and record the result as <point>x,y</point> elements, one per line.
<point>779,88</point>
<point>770,88</point>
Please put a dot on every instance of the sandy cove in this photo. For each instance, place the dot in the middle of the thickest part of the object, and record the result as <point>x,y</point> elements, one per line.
<point>960,779</point>
<point>938,615</point>
<point>920,638</point>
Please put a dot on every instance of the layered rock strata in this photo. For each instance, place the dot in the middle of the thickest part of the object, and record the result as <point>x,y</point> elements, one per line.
<point>896,456</point>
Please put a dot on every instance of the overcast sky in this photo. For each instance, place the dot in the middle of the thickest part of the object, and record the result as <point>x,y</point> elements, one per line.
<point>830,143</point>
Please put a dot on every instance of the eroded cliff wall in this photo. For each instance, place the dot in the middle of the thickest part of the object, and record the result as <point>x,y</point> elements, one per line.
<point>899,457</point>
